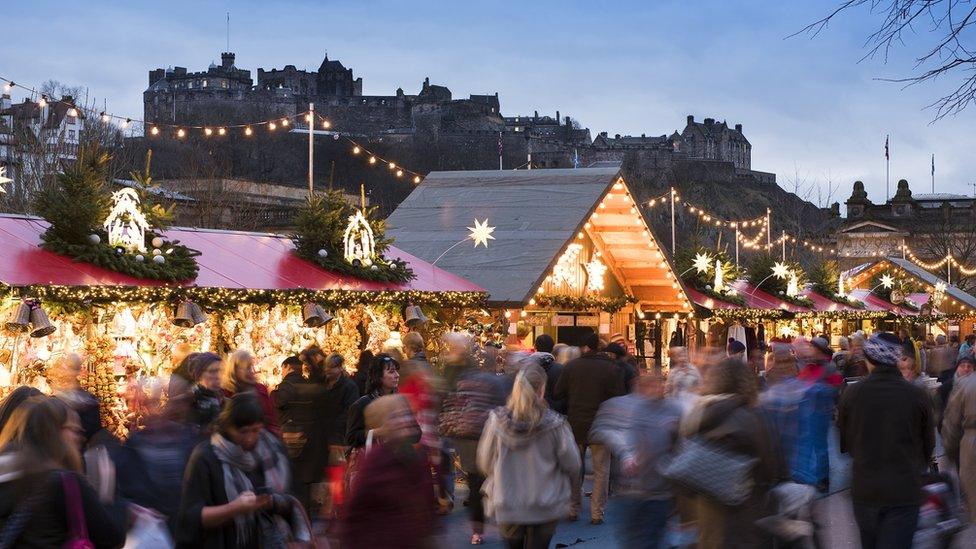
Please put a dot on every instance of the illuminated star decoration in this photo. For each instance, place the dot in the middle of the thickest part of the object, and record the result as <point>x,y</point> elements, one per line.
<point>4,179</point>
<point>481,233</point>
<point>702,262</point>
<point>887,281</point>
<point>781,270</point>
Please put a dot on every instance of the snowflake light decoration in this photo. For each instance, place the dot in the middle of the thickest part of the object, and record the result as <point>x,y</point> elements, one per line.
<point>887,281</point>
<point>4,179</point>
<point>126,225</point>
<point>566,269</point>
<point>781,270</point>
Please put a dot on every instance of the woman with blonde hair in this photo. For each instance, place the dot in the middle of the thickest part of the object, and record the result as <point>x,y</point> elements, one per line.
<point>240,377</point>
<point>530,460</point>
<point>44,500</point>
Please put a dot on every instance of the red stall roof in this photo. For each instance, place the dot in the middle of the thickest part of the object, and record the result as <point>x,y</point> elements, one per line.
<point>708,302</point>
<point>875,303</point>
<point>229,259</point>
<point>822,303</point>
<point>758,299</point>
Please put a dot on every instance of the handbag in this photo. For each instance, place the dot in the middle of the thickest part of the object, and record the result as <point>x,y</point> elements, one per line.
<point>74,509</point>
<point>719,475</point>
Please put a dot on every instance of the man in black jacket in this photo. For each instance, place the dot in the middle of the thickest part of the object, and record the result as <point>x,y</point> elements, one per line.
<point>543,352</point>
<point>886,425</point>
<point>295,399</point>
<point>586,383</point>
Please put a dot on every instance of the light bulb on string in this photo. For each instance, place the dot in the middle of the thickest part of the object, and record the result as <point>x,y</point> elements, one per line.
<point>180,132</point>
<point>355,150</point>
<point>326,124</point>
<point>285,122</point>
<point>221,131</point>
<point>248,131</point>
<point>272,126</point>
<point>372,160</point>
<point>392,165</point>
<point>399,173</point>
<point>154,130</point>
<point>308,118</point>
<point>207,131</point>
<point>416,179</point>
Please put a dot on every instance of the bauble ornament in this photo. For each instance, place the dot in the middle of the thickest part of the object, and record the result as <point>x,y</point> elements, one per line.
<point>157,251</point>
<point>157,242</point>
<point>374,267</point>
<point>140,258</point>
<point>119,250</point>
<point>94,238</point>
<point>159,259</point>
<point>323,253</point>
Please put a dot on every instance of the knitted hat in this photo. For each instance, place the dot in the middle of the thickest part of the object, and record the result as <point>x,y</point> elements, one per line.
<point>883,349</point>
<point>615,348</point>
<point>822,345</point>
<point>736,347</point>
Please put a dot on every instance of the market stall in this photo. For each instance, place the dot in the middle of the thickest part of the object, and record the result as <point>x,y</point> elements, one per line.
<point>251,291</point>
<point>570,253</point>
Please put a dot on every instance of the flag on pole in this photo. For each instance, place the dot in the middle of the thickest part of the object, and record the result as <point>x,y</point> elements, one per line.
<point>887,155</point>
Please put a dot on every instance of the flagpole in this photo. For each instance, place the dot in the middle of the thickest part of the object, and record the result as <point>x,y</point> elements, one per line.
<point>887,170</point>
<point>933,173</point>
<point>500,151</point>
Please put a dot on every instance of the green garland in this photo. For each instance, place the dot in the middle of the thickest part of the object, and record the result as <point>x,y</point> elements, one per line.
<point>76,205</point>
<point>320,225</point>
<point>82,297</point>
<point>180,263</point>
<point>684,264</point>
<point>573,303</point>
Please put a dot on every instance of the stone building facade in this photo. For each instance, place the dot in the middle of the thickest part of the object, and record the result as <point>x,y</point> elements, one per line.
<point>926,223</point>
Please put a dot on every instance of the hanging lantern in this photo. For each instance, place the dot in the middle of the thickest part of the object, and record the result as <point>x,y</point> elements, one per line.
<point>19,321</point>
<point>40,322</point>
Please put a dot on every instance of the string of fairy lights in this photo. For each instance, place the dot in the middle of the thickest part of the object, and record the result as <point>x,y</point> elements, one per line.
<point>760,222</point>
<point>931,266</point>
<point>277,124</point>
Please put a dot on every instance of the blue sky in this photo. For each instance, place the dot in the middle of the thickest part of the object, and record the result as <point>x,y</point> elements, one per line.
<point>808,107</point>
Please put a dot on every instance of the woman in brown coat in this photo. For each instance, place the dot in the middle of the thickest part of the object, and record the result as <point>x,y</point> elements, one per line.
<point>726,416</point>
<point>959,437</point>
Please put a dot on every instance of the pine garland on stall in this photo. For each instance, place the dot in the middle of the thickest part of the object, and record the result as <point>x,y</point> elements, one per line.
<point>76,205</point>
<point>320,226</point>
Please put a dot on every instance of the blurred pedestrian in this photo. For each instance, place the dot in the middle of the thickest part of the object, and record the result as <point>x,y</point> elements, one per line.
<point>13,401</point>
<point>44,500</point>
<point>362,369</point>
<point>726,417</point>
<point>966,349</point>
<point>618,354</point>
<point>544,353</point>
<point>391,504</point>
<point>529,458</point>
<point>207,397</point>
<point>959,438</point>
<point>886,425</point>
<point>947,381</point>
<point>585,383</point>
<point>296,399</point>
<point>684,379</point>
<point>240,377</point>
<point>235,483</point>
<point>64,378</point>
<point>568,353</point>
<point>463,416</point>
<point>941,357</point>
<point>384,378</point>
<point>641,430</point>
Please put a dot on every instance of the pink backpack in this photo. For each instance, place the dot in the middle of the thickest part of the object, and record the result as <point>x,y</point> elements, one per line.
<point>77,529</point>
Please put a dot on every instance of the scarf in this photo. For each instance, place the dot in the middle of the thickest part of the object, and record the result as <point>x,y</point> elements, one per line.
<point>236,463</point>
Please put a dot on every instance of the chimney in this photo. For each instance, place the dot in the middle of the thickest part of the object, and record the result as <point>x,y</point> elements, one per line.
<point>536,114</point>
<point>156,76</point>
<point>557,117</point>
<point>227,60</point>
<point>604,135</point>
<point>617,136</point>
<point>709,121</point>
<point>691,119</point>
<point>569,121</point>
<point>643,135</point>
<point>738,128</point>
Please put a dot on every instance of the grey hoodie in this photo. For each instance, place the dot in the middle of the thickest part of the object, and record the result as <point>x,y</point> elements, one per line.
<point>528,469</point>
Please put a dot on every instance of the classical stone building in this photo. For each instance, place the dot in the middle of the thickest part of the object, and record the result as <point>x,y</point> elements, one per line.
<point>927,223</point>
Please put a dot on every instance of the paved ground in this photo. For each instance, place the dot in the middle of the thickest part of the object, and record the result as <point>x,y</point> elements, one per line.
<point>834,514</point>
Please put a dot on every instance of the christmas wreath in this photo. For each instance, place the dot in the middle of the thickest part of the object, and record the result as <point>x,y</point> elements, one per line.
<point>336,236</point>
<point>90,224</point>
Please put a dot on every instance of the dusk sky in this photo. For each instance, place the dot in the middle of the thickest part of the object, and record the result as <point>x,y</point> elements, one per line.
<point>807,105</point>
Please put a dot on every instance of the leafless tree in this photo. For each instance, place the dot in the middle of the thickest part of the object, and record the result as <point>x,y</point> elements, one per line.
<point>955,235</point>
<point>950,56</point>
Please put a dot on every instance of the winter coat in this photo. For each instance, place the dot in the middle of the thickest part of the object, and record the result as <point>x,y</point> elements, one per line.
<point>528,469</point>
<point>356,422</point>
<point>644,430</point>
<point>959,437</point>
<point>159,453</point>
<point>887,426</point>
<point>392,501</point>
<point>465,410</point>
<point>553,371</point>
<point>585,383</point>
<point>47,523</point>
<point>296,400</point>
<point>728,422</point>
<point>334,409</point>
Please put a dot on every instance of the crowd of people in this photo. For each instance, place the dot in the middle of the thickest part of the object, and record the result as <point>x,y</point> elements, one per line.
<point>720,451</point>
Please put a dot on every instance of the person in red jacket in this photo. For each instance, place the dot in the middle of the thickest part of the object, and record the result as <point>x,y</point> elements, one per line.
<point>240,377</point>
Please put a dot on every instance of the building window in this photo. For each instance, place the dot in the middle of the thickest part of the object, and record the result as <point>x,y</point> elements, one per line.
<point>71,120</point>
<point>71,135</point>
<point>205,83</point>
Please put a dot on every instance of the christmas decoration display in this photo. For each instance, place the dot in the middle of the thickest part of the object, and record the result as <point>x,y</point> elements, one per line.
<point>565,272</point>
<point>710,274</point>
<point>89,224</point>
<point>4,179</point>
<point>595,274</point>
<point>828,280</point>
<point>894,289</point>
<point>778,278</point>
<point>583,303</point>
<point>337,236</point>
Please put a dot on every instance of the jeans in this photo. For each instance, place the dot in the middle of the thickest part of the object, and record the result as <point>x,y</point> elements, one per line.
<point>643,522</point>
<point>601,481</point>
<point>528,536</point>
<point>886,527</point>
